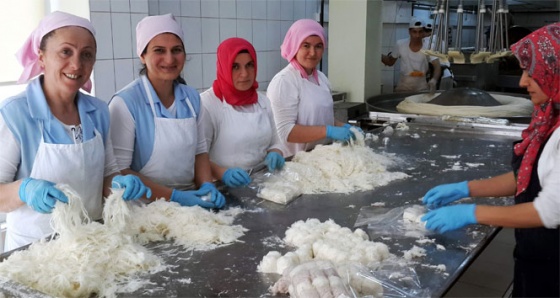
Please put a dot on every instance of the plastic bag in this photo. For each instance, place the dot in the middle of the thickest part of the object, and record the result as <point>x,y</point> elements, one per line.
<point>317,278</point>
<point>279,187</point>
<point>397,222</point>
<point>387,279</point>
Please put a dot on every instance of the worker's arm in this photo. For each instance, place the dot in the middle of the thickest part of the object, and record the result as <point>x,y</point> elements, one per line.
<point>516,216</point>
<point>498,186</point>
<point>388,60</point>
<point>307,134</point>
<point>437,69</point>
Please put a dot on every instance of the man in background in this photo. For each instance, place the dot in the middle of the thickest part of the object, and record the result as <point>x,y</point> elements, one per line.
<point>414,64</point>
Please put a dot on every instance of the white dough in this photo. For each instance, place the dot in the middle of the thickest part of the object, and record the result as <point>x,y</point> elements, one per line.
<point>511,106</point>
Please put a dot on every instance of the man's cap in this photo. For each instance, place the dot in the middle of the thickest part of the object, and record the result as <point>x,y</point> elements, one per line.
<point>415,23</point>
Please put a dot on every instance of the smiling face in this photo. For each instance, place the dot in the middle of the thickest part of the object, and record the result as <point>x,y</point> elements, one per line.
<point>538,97</point>
<point>67,56</point>
<point>243,72</point>
<point>164,57</point>
<point>310,53</point>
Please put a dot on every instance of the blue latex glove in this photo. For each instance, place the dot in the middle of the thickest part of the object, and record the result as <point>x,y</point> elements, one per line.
<point>450,218</point>
<point>348,125</point>
<point>445,194</point>
<point>193,198</point>
<point>339,133</point>
<point>134,187</point>
<point>274,161</point>
<point>216,197</point>
<point>40,195</point>
<point>236,177</point>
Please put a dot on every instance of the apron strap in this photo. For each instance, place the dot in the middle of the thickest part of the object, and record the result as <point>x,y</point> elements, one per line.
<point>149,94</point>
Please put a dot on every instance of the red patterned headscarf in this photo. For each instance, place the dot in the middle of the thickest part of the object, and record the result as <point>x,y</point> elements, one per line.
<point>223,85</point>
<point>538,54</point>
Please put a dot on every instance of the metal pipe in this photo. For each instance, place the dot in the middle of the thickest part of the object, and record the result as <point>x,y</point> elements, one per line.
<point>480,25</point>
<point>459,34</point>
<point>491,44</point>
<point>434,12</point>
<point>506,12</point>
<point>445,38</point>
<point>441,11</point>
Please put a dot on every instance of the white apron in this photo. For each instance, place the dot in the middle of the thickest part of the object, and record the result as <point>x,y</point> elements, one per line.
<point>175,140</point>
<point>315,108</point>
<point>242,138</point>
<point>81,166</point>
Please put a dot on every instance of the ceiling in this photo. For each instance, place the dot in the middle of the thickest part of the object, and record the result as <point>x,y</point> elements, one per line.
<point>513,5</point>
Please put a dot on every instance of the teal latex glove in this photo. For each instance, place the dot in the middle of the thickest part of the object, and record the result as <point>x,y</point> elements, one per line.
<point>216,197</point>
<point>446,193</point>
<point>450,218</point>
<point>134,187</point>
<point>40,195</point>
<point>274,161</point>
<point>236,177</point>
<point>348,125</point>
<point>339,133</point>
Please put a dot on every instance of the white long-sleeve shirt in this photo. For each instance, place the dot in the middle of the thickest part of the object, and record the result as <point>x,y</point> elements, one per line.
<point>547,201</point>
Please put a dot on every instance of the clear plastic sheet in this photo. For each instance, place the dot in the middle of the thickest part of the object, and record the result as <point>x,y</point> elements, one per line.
<point>382,221</point>
<point>387,279</point>
<point>320,278</point>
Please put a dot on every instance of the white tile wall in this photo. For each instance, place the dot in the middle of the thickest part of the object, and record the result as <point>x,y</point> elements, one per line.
<point>192,28</point>
<point>205,24</point>
<point>190,8</point>
<point>193,71</point>
<point>120,5</point>
<point>103,34</point>
<point>104,74</point>
<point>169,6</point>
<point>210,8</point>
<point>124,72</point>
<point>209,69</point>
<point>245,29</point>
<point>228,9</point>
<point>122,38</point>
<point>228,28</point>
<point>210,35</point>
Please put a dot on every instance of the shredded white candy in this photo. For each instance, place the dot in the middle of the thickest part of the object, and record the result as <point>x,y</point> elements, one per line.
<point>93,259</point>
<point>334,168</point>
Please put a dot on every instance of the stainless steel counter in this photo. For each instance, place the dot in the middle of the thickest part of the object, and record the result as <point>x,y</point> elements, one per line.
<point>429,154</point>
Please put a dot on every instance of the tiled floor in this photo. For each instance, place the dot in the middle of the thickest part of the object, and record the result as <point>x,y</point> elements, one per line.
<point>491,274</point>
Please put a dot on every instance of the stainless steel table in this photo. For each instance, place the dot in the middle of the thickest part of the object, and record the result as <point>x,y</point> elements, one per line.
<point>427,153</point>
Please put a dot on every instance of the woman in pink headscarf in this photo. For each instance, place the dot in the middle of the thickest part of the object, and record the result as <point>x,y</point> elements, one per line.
<point>52,133</point>
<point>238,122</point>
<point>534,181</point>
<point>301,95</point>
<point>155,121</point>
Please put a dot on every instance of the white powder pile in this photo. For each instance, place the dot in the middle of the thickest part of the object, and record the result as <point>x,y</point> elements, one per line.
<point>192,227</point>
<point>334,168</point>
<point>315,240</point>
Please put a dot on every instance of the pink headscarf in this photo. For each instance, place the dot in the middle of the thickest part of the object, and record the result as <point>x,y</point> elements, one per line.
<point>151,26</point>
<point>298,32</point>
<point>539,53</point>
<point>223,85</point>
<point>28,54</point>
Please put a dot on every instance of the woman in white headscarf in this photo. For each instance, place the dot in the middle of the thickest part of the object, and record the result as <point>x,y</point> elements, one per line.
<point>155,121</point>
<point>53,133</point>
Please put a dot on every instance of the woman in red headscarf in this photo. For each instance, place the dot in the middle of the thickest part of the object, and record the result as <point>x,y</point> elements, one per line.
<point>237,120</point>
<point>535,179</point>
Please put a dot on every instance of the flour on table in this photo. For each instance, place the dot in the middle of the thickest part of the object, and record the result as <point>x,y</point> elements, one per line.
<point>414,252</point>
